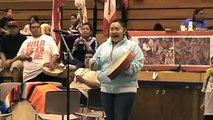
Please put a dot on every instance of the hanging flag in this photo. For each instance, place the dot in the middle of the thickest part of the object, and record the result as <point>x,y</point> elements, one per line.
<point>56,21</point>
<point>79,23</point>
<point>84,12</point>
<point>109,15</point>
<point>126,3</point>
<point>124,10</point>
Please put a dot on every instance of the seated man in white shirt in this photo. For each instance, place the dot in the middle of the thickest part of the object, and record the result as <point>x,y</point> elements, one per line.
<point>34,52</point>
<point>85,79</point>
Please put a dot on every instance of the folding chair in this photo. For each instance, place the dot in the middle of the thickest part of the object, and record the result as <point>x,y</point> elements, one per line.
<point>94,105</point>
<point>5,88</point>
<point>56,105</point>
<point>6,76</point>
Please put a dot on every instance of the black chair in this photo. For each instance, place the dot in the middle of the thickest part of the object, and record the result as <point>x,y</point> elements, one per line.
<point>56,105</point>
<point>94,105</point>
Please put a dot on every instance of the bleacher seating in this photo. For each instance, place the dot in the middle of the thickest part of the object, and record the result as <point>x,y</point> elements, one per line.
<point>142,15</point>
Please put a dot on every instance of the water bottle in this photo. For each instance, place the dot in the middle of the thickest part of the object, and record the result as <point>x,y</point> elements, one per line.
<point>182,28</point>
<point>190,26</point>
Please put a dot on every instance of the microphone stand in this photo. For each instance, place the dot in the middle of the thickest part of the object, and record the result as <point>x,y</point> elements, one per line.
<point>69,57</point>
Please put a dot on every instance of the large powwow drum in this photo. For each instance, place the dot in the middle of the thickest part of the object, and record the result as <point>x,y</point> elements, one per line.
<point>119,66</point>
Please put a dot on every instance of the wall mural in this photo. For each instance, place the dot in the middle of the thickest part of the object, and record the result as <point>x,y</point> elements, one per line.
<point>175,50</point>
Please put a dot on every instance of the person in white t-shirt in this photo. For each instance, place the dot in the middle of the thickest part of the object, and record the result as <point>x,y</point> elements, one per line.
<point>34,52</point>
<point>85,79</point>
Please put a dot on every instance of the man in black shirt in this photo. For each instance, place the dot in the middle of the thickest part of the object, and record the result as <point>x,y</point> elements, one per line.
<point>10,46</point>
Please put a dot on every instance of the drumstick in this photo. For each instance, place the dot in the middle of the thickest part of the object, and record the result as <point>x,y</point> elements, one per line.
<point>75,76</point>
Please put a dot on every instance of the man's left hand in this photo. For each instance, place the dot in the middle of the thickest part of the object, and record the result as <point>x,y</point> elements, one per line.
<point>79,79</point>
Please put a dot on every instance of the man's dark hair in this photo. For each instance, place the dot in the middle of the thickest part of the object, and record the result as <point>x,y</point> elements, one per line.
<point>158,27</point>
<point>33,23</point>
<point>89,52</point>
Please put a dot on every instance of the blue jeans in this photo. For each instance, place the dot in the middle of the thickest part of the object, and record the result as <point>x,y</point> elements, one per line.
<point>118,106</point>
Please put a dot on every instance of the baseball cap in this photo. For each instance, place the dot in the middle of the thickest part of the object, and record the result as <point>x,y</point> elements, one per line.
<point>12,24</point>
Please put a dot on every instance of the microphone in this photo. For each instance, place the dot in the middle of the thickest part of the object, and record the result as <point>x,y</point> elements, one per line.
<point>61,31</point>
<point>65,32</point>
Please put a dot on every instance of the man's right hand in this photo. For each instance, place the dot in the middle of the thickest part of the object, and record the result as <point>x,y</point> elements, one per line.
<point>7,64</point>
<point>91,63</point>
<point>24,57</point>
